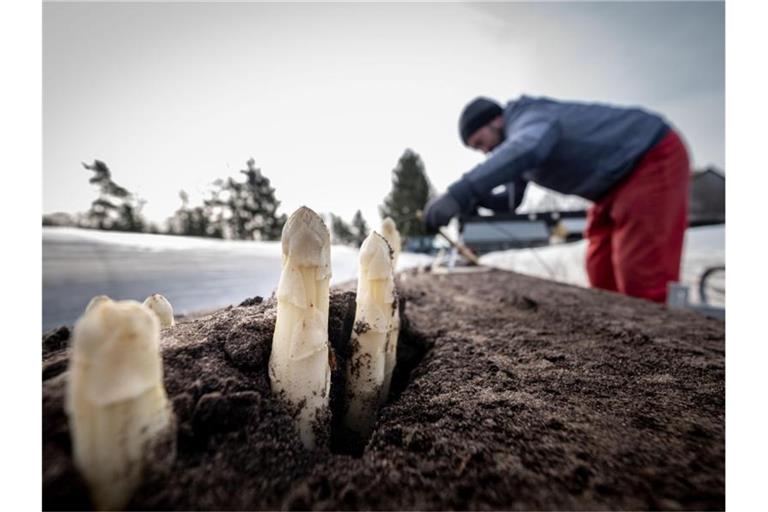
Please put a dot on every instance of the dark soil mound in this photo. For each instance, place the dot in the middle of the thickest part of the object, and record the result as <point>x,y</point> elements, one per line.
<point>511,393</point>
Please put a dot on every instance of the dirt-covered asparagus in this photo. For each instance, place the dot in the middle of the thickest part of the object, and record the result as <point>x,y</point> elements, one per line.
<point>367,366</point>
<point>121,421</point>
<point>392,236</point>
<point>298,367</point>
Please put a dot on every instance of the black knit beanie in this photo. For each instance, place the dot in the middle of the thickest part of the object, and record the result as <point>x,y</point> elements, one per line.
<point>478,112</point>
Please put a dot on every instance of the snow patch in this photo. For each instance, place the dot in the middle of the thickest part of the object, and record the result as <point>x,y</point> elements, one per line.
<point>194,274</point>
<point>704,247</point>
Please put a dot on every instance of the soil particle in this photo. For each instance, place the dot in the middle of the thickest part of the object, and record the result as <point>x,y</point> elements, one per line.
<point>253,301</point>
<point>56,339</point>
<point>361,327</point>
<point>510,392</point>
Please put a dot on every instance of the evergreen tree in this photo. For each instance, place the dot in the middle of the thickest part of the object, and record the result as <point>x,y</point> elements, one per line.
<point>180,223</point>
<point>410,192</point>
<point>115,208</point>
<point>193,221</point>
<point>359,228</point>
<point>248,209</point>
<point>214,209</point>
<point>342,232</point>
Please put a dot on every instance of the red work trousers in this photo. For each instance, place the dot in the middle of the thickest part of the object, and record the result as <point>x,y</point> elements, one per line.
<point>635,233</point>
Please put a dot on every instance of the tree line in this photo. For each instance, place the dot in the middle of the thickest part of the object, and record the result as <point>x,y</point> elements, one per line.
<point>243,207</point>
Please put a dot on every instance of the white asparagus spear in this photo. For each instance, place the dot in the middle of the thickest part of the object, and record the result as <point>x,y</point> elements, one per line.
<point>390,351</point>
<point>121,421</point>
<point>96,301</point>
<point>367,366</point>
<point>392,235</point>
<point>298,366</point>
<point>162,308</point>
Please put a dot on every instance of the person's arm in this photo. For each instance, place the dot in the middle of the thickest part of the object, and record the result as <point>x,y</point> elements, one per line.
<point>507,200</point>
<point>529,143</point>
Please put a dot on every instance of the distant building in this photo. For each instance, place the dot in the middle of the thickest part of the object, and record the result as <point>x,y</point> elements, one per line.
<point>498,235</point>
<point>516,231</point>
<point>707,198</point>
<point>504,231</point>
<point>420,244</point>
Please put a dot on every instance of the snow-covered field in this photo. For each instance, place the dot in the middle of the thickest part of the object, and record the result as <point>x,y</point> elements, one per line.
<point>201,274</point>
<point>193,273</point>
<point>704,247</point>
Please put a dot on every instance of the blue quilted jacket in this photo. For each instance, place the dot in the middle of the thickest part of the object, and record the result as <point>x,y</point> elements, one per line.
<point>582,149</point>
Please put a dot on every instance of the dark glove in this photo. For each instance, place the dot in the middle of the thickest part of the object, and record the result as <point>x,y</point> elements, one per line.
<point>439,212</point>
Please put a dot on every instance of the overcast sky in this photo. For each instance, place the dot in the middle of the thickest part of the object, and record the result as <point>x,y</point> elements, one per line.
<point>326,97</point>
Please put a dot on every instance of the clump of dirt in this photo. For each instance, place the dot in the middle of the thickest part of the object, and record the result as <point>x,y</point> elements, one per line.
<point>510,392</point>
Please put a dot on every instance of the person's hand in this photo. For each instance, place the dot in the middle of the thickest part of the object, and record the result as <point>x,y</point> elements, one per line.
<point>439,212</point>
